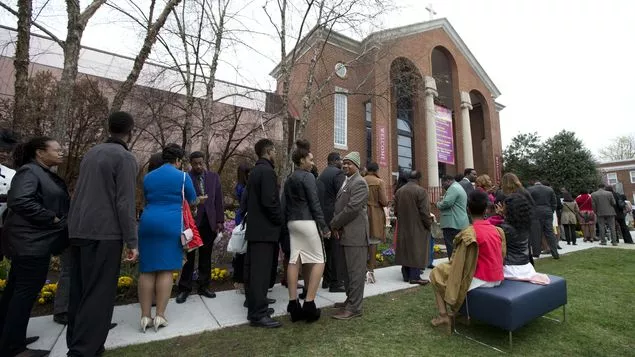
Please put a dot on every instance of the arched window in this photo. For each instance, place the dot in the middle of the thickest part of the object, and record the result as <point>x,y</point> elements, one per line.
<point>405,79</point>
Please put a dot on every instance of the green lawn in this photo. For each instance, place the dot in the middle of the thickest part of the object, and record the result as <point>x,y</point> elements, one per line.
<point>600,322</point>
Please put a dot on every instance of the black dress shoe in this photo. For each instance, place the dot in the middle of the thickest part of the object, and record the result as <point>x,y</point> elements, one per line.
<point>337,289</point>
<point>112,325</point>
<point>30,340</point>
<point>302,295</point>
<point>266,322</point>
<point>61,319</point>
<point>270,311</point>
<point>245,304</point>
<point>559,247</point>
<point>207,293</point>
<point>182,296</point>
<point>271,301</point>
<point>325,284</point>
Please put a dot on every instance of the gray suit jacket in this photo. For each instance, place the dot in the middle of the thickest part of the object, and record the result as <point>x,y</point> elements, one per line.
<point>350,212</point>
<point>603,203</point>
<point>467,186</point>
<point>545,199</point>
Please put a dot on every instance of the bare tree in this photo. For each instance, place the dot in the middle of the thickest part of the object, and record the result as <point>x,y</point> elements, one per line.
<point>327,15</point>
<point>21,62</point>
<point>152,33</point>
<point>218,21</point>
<point>622,148</point>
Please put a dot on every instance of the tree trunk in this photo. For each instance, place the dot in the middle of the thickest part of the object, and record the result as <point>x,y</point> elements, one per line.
<point>76,24</point>
<point>209,95</point>
<point>21,63</point>
<point>140,60</point>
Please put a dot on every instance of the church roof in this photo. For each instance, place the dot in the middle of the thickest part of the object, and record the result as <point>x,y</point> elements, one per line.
<point>358,47</point>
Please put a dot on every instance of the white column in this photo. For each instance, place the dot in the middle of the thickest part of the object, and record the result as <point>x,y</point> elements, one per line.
<point>430,92</point>
<point>466,106</point>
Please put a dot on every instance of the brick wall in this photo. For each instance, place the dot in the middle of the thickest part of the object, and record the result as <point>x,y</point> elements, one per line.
<point>368,79</point>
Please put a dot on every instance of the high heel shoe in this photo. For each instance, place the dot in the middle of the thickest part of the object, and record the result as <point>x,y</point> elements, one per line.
<point>145,323</point>
<point>370,277</point>
<point>310,311</point>
<point>295,310</point>
<point>159,321</point>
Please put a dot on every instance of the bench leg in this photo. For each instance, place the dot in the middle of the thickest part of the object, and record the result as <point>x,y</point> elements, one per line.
<point>511,346</point>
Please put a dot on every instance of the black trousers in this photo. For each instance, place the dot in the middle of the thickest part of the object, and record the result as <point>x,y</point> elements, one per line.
<point>448,238</point>
<point>333,269</point>
<point>543,224</point>
<point>208,235</point>
<point>258,263</point>
<point>94,272</point>
<point>274,267</point>
<point>569,232</point>
<point>238,264</point>
<point>26,278</point>
<point>626,234</point>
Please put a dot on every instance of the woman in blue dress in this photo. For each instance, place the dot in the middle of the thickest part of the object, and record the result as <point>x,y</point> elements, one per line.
<point>160,249</point>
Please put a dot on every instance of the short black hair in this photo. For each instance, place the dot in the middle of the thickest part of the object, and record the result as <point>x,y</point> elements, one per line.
<point>172,152</point>
<point>155,161</point>
<point>415,175</point>
<point>8,140</point>
<point>467,171</point>
<point>334,156</point>
<point>302,150</point>
<point>477,202</point>
<point>120,123</point>
<point>196,155</point>
<point>372,167</point>
<point>458,177</point>
<point>601,185</point>
<point>447,178</point>
<point>263,146</point>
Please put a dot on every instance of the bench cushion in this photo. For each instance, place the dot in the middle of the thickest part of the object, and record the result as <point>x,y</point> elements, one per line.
<point>513,304</point>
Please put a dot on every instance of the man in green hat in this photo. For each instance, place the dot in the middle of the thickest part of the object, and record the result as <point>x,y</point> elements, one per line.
<point>350,226</point>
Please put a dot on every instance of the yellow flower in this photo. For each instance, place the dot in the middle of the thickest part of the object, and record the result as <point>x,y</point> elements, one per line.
<point>41,301</point>
<point>437,249</point>
<point>3,283</point>
<point>46,294</point>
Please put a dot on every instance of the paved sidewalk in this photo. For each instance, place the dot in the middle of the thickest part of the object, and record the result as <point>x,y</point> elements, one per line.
<point>201,314</point>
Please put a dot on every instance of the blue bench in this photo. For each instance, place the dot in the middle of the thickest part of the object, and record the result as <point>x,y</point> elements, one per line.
<point>513,304</point>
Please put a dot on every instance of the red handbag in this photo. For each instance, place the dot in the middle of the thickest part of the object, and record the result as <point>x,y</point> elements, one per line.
<point>190,236</point>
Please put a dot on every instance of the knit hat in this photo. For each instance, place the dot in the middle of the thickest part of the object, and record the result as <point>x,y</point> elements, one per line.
<point>353,157</point>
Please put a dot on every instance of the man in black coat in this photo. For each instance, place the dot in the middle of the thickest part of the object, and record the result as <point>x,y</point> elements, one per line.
<point>264,222</point>
<point>329,183</point>
<point>469,177</point>
<point>546,204</point>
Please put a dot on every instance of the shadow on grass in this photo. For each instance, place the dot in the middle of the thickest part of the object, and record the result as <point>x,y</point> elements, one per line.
<point>599,323</point>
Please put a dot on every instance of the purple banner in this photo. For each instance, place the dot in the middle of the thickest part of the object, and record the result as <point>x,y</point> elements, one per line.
<point>445,135</point>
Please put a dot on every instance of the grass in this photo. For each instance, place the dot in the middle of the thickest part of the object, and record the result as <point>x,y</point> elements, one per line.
<point>599,323</point>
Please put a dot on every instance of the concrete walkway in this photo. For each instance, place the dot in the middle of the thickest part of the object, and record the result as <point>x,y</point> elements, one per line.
<point>201,314</point>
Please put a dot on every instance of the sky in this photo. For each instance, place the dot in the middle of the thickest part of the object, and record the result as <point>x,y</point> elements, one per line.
<point>559,64</point>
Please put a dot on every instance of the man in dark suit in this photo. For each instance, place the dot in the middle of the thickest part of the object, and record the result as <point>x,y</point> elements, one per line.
<point>210,218</point>
<point>329,184</point>
<point>469,177</point>
<point>546,204</point>
<point>264,222</point>
<point>350,226</point>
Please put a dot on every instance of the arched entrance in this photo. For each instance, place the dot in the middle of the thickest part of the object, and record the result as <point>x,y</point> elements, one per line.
<point>444,73</point>
<point>405,80</point>
<point>480,143</point>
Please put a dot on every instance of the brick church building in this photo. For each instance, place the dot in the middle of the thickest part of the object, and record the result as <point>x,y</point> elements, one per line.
<point>408,97</point>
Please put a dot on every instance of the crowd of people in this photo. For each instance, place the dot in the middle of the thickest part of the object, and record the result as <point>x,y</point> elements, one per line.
<point>328,226</point>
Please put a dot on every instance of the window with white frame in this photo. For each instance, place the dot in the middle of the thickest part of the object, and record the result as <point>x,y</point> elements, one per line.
<point>340,118</point>
<point>632,176</point>
<point>611,178</point>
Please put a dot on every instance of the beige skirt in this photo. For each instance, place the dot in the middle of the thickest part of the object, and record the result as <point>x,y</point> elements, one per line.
<point>306,243</point>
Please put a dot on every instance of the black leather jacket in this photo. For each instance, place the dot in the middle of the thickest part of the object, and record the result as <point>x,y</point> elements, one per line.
<point>37,196</point>
<point>301,201</point>
<point>517,245</point>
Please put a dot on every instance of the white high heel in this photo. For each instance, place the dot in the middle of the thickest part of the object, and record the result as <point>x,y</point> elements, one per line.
<point>159,322</point>
<point>145,323</point>
<point>370,277</point>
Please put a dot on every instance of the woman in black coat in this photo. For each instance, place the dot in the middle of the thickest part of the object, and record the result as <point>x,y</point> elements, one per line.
<point>35,228</point>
